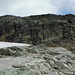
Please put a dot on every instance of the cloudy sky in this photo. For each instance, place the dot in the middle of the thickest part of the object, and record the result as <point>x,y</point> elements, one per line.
<point>34,7</point>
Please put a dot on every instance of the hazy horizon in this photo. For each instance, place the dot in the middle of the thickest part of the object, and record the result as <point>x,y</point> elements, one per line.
<point>24,8</point>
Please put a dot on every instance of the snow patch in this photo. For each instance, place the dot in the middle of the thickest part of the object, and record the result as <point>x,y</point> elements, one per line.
<point>8,44</point>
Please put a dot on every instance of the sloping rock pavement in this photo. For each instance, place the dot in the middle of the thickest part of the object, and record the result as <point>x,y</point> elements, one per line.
<point>36,60</point>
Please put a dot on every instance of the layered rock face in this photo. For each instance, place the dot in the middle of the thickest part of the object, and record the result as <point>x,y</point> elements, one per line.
<point>37,60</point>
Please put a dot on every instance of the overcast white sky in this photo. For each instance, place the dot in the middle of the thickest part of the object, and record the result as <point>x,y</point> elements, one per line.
<point>34,7</point>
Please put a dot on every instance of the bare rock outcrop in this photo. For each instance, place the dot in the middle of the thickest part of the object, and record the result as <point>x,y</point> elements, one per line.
<point>39,60</point>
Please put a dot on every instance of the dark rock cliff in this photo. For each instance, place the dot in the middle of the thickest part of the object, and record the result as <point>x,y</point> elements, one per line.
<point>38,29</point>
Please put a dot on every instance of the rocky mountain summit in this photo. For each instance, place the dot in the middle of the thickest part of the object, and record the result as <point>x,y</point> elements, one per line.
<point>50,49</point>
<point>36,60</point>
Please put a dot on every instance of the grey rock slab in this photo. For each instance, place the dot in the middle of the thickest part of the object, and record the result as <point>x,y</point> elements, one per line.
<point>38,60</point>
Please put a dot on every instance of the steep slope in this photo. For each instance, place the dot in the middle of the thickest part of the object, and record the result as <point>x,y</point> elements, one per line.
<point>50,29</point>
